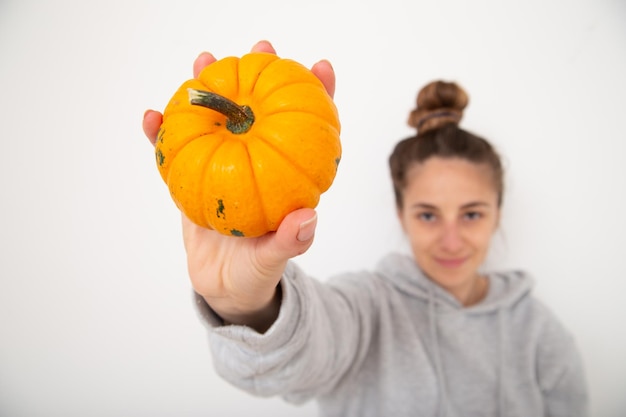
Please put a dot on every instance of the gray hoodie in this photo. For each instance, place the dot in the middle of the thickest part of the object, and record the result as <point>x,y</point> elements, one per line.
<point>393,343</point>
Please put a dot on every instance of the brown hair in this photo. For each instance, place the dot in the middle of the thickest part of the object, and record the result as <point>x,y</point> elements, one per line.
<point>439,110</point>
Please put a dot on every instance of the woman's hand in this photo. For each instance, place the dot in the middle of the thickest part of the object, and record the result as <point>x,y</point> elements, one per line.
<point>238,277</point>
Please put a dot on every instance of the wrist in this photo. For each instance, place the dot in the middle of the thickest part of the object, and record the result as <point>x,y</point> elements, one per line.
<point>259,313</point>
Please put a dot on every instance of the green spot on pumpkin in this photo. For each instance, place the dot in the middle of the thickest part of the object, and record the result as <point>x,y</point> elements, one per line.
<point>160,157</point>
<point>236,232</point>
<point>337,160</point>
<point>160,135</point>
<point>220,209</point>
<point>218,124</point>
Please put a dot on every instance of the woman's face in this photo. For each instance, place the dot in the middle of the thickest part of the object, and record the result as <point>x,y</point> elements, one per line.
<point>450,212</point>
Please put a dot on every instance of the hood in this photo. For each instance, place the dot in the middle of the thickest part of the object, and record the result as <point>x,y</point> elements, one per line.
<point>505,288</point>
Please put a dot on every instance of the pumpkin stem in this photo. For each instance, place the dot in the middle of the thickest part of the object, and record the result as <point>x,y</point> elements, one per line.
<point>239,118</point>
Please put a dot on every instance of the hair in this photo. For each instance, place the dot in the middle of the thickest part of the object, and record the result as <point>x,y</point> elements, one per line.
<point>436,118</point>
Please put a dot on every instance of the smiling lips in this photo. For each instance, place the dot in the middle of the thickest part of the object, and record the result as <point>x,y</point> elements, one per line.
<point>451,263</point>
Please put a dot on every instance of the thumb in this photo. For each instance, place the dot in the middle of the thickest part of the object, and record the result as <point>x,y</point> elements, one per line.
<point>293,237</point>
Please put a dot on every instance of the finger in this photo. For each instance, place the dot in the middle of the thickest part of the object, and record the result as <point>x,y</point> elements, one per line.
<point>204,59</point>
<point>263,46</point>
<point>293,237</point>
<point>325,72</point>
<point>151,123</point>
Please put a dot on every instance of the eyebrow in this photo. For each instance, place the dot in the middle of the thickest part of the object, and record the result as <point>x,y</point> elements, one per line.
<point>473,204</point>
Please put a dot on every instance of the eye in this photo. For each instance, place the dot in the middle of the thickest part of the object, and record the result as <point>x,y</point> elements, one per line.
<point>426,216</point>
<point>472,215</point>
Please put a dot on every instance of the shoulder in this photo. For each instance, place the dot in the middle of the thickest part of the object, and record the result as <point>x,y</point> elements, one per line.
<point>558,358</point>
<point>541,328</point>
<point>554,336</point>
<point>513,291</point>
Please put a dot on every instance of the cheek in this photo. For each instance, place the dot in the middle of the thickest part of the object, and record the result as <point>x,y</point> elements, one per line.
<point>482,239</point>
<point>421,238</point>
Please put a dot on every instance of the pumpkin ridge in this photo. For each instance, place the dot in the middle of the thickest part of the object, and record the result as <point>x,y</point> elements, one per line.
<point>278,113</point>
<point>172,155</point>
<point>204,196</point>
<point>263,208</point>
<point>336,130</point>
<point>300,82</point>
<point>181,143</point>
<point>266,110</point>
<point>286,81</point>
<point>252,92</point>
<point>236,87</point>
<point>281,112</point>
<point>300,169</point>
<point>290,84</point>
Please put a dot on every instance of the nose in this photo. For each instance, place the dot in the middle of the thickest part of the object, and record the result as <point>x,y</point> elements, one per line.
<point>451,239</point>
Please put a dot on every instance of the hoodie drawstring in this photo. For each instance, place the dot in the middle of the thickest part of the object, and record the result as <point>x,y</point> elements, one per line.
<point>501,370</point>
<point>443,400</point>
<point>501,363</point>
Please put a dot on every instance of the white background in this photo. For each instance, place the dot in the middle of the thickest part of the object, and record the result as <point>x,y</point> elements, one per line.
<point>95,310</point>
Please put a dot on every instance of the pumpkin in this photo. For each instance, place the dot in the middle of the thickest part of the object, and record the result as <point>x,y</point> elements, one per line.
<point>250,140</point>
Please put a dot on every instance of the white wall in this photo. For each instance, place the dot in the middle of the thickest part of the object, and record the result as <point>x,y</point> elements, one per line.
<point>95,314</point>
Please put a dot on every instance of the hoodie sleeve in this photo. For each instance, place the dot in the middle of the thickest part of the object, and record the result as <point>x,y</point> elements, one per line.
<point>561,374</point>
<point>322,331</point>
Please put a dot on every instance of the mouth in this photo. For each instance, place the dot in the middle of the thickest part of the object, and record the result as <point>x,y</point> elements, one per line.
<point>451,262</point>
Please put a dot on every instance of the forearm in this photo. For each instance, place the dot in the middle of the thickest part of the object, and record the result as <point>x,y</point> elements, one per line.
<point>286,360</point>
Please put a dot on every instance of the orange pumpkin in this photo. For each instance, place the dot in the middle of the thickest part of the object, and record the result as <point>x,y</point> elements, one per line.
<point>247,142</point>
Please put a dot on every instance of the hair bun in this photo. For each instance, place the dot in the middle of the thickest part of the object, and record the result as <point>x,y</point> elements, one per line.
<point>438,103</point>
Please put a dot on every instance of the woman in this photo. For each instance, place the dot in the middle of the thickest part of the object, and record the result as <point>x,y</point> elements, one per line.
<point>426,334</point>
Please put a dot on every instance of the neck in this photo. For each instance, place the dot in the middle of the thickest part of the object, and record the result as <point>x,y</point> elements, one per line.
<point>473,293</point>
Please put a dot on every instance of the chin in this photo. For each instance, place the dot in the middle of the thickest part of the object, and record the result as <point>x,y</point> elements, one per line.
<point>451,277</point>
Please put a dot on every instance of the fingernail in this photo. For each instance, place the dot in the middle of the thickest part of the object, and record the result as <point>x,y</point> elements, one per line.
<point>307,229</point>
<point>329,63</point>
<point>263,46</point>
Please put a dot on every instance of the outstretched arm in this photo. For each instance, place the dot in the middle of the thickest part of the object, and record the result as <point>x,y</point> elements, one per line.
<point>238,277</point>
